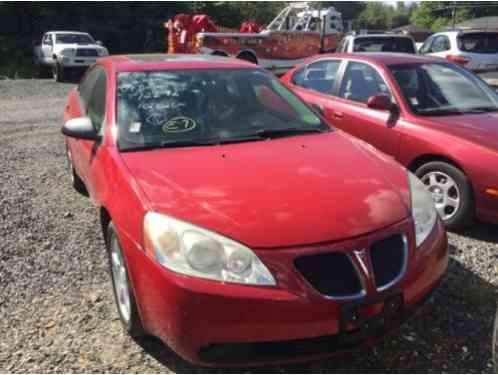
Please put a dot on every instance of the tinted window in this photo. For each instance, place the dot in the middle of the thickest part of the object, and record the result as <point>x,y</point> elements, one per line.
<point>360,82</point>
<point>319,76</point>
<point>74,39</point>
<point>478,42</point>
<point>206,106</point>
<point>384,44</point>
<point>47,39</point>
<point>96,104</point>
<point>443,89</point>
<point>441,43</point>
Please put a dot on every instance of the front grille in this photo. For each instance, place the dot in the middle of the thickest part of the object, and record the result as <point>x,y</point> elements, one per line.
<point>332,274</point>
<point>388,260</point>
<point>86,52</point>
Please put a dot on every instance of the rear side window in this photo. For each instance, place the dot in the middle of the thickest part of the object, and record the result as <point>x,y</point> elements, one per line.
<point>319,76</point>
<point>384,44</point>
<point>478,42</point>
<point>96,104</point>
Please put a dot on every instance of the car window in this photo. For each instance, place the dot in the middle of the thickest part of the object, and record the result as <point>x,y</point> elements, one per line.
<point>86,85</point>
<point>47,39</point>
<point>319,76</point>
<point>97,101</point>
<point>384,44</point>
<point>478,42</point>
<point>434,89</point>
<point>441,44</point>
<point>361,81</point>
<point>74,38</point>
<point>427,44</point>
<point>209,105</point>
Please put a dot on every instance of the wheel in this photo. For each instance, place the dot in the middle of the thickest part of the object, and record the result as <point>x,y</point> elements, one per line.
<point>495,343</point>
<point>76,180</point>
<point>451,191</point>
<point>123,293</point>
<point>58,73</point>
<point>249,57</point>
<point>42,71</point>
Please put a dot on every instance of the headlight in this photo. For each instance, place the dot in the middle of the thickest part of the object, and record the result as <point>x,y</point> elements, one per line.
<point>102,52</point>
<point>191,250</point>
<point>68,52</point>
<point>423,210</point>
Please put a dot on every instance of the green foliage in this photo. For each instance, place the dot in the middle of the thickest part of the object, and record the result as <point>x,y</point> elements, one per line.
<point>380,16</point>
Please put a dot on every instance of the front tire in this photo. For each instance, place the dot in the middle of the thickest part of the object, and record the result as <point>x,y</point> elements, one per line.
<point>451,191</point>
<point>123,291</point>
<point>58,73</point>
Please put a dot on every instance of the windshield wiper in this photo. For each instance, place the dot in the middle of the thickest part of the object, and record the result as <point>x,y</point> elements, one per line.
<point>283,132</point>
<point>170,144</point>
<point>440,111</point>
<point>482,109</point>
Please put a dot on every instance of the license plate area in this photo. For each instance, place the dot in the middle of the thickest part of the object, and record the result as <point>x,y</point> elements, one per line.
<point>371,317</point>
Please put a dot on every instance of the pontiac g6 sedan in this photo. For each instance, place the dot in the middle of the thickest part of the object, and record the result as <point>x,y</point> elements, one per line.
<point>240,227</point>
<point>434,117</point>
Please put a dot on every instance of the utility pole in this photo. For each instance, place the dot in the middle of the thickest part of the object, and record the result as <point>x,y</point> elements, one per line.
<point>453,14</point>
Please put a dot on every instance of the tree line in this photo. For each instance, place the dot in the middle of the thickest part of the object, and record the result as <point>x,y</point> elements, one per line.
<point>138,26</point>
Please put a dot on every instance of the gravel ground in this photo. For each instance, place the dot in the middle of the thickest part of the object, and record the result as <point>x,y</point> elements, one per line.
<point>56,303</point>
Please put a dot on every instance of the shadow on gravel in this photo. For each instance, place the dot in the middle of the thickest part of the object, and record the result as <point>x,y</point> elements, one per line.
<point>451,333</point>
<point>482,232</point>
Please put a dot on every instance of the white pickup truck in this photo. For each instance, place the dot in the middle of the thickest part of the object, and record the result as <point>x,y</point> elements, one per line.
<point>63,51</point>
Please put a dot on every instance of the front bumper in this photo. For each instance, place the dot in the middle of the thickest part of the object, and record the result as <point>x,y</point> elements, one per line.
<point>76,62</point>
<point>211,323</point>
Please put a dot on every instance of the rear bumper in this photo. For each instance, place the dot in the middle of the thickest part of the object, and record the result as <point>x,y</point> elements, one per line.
<point>228,324</point>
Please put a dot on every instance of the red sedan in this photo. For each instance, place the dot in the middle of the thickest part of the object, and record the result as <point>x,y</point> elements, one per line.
<point>434,117</point>
<point>240,227</point>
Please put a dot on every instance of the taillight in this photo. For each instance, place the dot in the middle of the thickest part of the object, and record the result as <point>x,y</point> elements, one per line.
<point>458,59</point>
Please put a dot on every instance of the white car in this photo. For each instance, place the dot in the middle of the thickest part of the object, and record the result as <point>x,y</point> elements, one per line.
<point>377,43</point>
<point>64,51</point>
<point>476,50</point>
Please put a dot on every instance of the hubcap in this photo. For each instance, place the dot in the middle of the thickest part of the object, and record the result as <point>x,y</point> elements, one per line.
<point>445,193</point>
<point>120,280</point>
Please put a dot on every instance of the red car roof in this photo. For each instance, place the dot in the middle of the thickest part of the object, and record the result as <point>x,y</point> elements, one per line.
<point>172,61</point>
<point>385,58</point>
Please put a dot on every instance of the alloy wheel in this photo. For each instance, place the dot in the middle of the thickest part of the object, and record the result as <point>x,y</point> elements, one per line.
<point>445,193</point>
<point>120,278</point>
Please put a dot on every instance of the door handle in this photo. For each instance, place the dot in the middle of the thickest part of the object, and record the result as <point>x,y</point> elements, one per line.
<point>338,115</point>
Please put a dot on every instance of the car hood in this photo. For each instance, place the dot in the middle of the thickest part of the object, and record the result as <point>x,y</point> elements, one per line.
<point>481,128</point>
<point>277,193</point>
<point>60,46</point>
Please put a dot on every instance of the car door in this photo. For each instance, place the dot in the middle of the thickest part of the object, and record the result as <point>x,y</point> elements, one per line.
<point>316,82</point>
<point>360,81</point>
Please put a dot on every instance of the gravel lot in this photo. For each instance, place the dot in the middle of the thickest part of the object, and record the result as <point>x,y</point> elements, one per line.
<point>56,305</point>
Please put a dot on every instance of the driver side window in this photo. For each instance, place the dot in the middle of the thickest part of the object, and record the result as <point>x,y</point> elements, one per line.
<point>361,81</point>
<point>426,46</point>
<point>47,39</point>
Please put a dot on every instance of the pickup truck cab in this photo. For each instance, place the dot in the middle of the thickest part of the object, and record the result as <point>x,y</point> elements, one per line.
<point>64,51</point>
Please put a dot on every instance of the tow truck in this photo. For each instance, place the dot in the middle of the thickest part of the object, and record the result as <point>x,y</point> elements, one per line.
<point>298,31</point>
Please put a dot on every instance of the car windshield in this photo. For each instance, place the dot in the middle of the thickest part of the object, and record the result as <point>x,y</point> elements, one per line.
<point>204,107</point>
<point>438,89</point>
<point>479,42</point>
<point>383,44</point>
<point>74,39</point>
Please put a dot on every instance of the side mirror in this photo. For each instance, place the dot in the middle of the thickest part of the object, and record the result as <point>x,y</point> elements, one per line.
<point>99,42</point>
<point>382,102</point>
<point>80,128</point>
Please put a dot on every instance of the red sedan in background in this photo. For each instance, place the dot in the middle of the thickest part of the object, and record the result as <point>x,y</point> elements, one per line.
<point>434,117</point>
<point>240,227</point>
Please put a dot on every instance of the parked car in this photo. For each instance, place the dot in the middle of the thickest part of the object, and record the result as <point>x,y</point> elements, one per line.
<point>238,224</point>
<point>62,52</point>
<point>377,43</point>
<point>434,117</point>
<point>476,50</point>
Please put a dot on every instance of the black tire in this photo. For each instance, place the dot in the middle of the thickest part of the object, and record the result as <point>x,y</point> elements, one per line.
<point>495,342</point>
<point>465,213</point>
<point>58,73</point>
<point>133,324</point>
<point>249,57</point>
<point>42,71</point>
<point>76,180</point>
